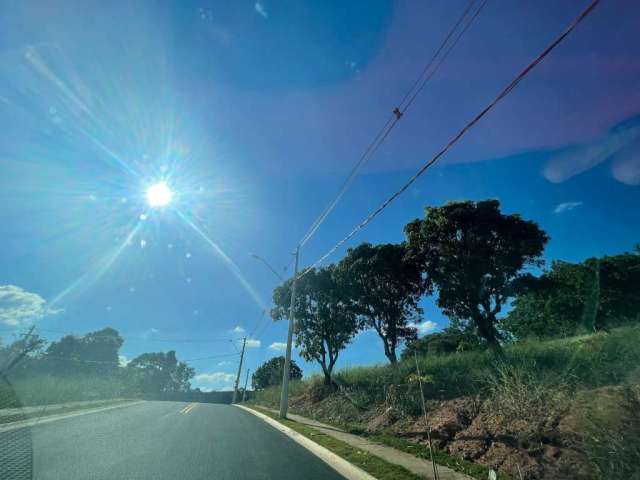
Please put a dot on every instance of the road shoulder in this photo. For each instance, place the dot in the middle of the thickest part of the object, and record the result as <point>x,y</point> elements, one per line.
<point>347,460</point>
<point>61,414</point>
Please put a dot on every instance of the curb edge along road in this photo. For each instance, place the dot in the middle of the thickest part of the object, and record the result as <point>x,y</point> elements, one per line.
<point>32,422</point>
<point>339,464</point>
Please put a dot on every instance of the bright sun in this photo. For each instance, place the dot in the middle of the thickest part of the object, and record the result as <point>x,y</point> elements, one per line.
<point>159,195</point>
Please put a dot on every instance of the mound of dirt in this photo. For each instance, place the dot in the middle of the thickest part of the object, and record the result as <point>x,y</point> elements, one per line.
<point>526,446</point>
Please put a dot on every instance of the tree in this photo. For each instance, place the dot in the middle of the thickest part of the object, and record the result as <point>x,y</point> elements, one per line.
<point>20,354</point>
<point>94,353</point>
<point>324,322</point>
<point>385,288</point>
<point>473,254</point>
<point>457,337</point>
<point>596,294</point>
<point>270,373</point>
<point>158,372</point>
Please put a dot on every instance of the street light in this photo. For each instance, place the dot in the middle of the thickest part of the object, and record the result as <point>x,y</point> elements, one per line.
<point>260,259</point>
<point>284,394</point>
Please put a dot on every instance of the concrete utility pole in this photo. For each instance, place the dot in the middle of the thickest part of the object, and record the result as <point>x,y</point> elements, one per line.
<point>284,396</point>
<point>246,381</point>
<point>235,388</point>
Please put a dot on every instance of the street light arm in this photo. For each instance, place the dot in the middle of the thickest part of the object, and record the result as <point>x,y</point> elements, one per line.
<point>275,272</point>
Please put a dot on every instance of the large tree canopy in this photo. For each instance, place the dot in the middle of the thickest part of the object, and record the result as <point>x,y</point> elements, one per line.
<point>95,352</point>
<point>595,294</point>
<point>324,322</point>
<point>385,289</point>
<point>270,373</point>
<point>160,372</point>
<point>474,255</point>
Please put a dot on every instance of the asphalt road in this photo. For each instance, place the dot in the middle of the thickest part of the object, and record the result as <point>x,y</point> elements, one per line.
<point>169,441</point>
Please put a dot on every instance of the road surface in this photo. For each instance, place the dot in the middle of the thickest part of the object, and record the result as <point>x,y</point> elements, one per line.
<point>169,441</point>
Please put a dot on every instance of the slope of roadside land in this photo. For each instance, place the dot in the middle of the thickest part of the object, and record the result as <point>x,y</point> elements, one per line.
<point>531,416</point>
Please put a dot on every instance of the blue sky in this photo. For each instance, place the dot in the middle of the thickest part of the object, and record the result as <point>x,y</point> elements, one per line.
<point>255,112</point>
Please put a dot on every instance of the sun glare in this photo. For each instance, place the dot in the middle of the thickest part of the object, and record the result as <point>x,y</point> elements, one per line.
<point>159,195</point>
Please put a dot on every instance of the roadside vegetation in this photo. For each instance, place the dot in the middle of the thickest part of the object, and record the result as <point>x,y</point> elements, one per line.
<point>536,374</point>
<point>572,397</point>
<point>79,368</point>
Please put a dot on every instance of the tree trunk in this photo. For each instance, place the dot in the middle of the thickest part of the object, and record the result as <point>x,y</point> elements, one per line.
<point>391,355</point>
<point>487,330</point>
<point>389,352</point>
<point>328,381</point>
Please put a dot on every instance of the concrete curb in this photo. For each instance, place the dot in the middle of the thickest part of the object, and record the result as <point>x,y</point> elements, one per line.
<point>32,422</point>
<point>339,464</point>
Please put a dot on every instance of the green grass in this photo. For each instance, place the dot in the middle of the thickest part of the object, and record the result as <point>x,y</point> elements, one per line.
<point>422,451</point>
<point>371,464</point>
<point>539,378</point>
<point>47,390</point>
<point>584,362</point>
<point>270,397</point>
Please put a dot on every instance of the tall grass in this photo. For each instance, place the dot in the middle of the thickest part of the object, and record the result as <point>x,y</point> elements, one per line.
<point>270,397</point>
<point>612,436</point>
<point>46,390</point>
<point>581,363</point>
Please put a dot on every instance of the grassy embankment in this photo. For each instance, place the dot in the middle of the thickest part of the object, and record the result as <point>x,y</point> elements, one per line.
<point>535,380</point>
<point>48,390</point>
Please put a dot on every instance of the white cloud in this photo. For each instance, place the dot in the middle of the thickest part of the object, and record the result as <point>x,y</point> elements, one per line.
<point>425,327</point>
<point>214,377</point>
<point>218,381</point>
<point>17,306</point>
<point>253,343</point>
<point>224,363</point>
<point>238,329</point>
<point>123,360</point>
<point>566,206</point>
<point>277,346</point>
<point>261,10</point>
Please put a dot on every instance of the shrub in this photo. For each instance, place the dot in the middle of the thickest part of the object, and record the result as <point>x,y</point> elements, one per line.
<point>612,436</point>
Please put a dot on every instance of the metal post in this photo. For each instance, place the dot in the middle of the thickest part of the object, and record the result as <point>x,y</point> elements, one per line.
<point>284,396</point>
<point>436,476</point>
<point>235,388</point>
<point>246,381</point>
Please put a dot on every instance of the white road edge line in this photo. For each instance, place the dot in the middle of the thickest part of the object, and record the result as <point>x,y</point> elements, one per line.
<point>339,464</point>
<point>32,422</point>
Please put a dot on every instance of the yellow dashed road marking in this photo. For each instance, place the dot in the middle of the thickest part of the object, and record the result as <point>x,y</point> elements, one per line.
<point>188,408</point>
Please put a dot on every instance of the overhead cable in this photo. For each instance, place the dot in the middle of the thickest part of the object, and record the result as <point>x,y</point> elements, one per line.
<point>446,46</point>
<point>510,87</point>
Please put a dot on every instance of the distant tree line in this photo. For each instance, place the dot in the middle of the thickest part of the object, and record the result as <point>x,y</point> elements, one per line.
<point>477,262</point>
<point>96,354</point>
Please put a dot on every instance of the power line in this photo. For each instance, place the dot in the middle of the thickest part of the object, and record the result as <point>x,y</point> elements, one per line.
<point>222,355</point>
<point>258,323</point>
<point>514,83</point>
<point>428,75</point>
<point>139,338</point>
<point>80,360</point>
<point>432,66</point>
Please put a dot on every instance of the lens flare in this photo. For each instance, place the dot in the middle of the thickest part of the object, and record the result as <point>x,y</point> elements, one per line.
<point>159,195</point>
